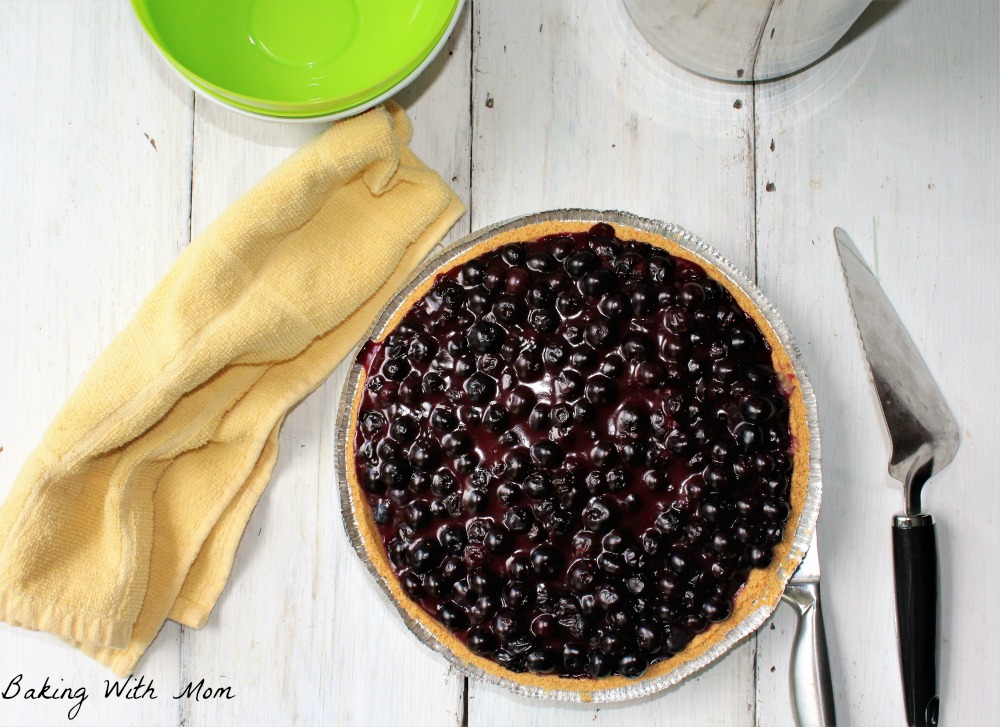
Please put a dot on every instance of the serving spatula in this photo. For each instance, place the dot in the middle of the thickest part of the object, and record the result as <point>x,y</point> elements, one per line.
<point>924,438</point>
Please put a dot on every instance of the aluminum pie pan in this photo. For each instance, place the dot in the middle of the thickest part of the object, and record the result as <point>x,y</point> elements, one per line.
<point>805,528</point>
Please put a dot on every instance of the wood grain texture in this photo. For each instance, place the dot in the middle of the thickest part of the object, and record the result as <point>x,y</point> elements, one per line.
<point>95,160</point>
<point>895,139</point>
<point>301,631</point>
<point>108,165</point>
<point>572,108</point>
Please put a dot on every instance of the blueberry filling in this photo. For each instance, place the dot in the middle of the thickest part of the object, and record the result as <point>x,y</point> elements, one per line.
<point>575,450</point>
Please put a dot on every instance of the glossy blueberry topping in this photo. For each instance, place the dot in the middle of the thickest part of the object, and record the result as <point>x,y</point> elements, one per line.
<point>575,449</point>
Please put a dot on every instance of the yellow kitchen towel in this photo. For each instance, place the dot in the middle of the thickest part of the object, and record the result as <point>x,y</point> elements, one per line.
<point>132,507</point>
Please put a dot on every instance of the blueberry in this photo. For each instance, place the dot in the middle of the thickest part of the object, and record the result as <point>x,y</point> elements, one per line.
<point>518,519</point>
<point>508,309</point>
<point>716,608</point>
<point>655,481</point>
<point>598,282</point>
<point>372,422</point>
<point>543,320</point>
<point>691,295</point>
<point>528,366</point>
<point>443,418</point>
<point>452,616</point>
<point>395,369</point>
<point>537,485</point>
<point>569,385</point>
<point>774,510</point>
<point>615,306</point>
<point>631,421</point>
<point>651,541</point>
<point>418,514</point>
<point>452,538</point>
<point>475,501</point>
<point>506,625</point>
<point>542,660</point>
<point>404,428</point>
<point>542,295</point>
<point>748,436</point>
<point>483,581</point>
<point>580,263</point>
<point>546,561</point>
<point>648,638</point>
<point>650,374</point>
<point>432,383</point>
<point>495,418</point>
<point>617,479</point>
<point>741,341</point>
<point>598,513</point>
<point>604,453</point>
<point>412,584</point>
<point>473,273</point>
<point>539,417</point>
<point>456,443</point>
<point>485,337</point>
<point>395,468</point>
<point>582,575</point>
<point>583,412</point>
<point>480,387</point>
<point>599,333</point>
<point>600,664</point>
<point>669,522</point>
<point>600,390</point>
<point>372,481</point>
<point>633,665</point>
<point>540,261</point>
<point>568,304</point>
<point>517,463</point>
<point>574,658</point>
<point>498,540</point>
<point>547,453</point>
<point>513,254</point>
<point>481,641</point>
<point>607,597</point>
<point>610,563</point>
<point>757,409</point>
<point>381,513</point>
<point>643,299</point>
<point>562,416</point>
<point>520,400</point>
<point>605,245</point>
<point>443,483</point>
<point>517,594</point>
<point>424,555</point>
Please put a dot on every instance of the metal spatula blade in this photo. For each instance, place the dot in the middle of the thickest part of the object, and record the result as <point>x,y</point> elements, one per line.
<point>923,431</point>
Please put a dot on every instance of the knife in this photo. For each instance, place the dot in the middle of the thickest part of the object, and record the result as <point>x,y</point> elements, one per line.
<point>811,685</point>
<point>924,438</point>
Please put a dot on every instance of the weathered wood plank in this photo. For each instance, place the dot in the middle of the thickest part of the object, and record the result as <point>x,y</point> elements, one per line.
<point>302,632</point>
<point>895,139</point>
<point>95,164</point>
<point>572,108</point>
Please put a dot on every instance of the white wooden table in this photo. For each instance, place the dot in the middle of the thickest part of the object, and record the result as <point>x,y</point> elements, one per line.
<point>109,164</point>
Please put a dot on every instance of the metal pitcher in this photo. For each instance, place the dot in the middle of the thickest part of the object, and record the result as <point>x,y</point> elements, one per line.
<point>744,40</point>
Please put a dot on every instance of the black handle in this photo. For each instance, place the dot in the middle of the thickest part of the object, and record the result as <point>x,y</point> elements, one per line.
<point>914,549</point>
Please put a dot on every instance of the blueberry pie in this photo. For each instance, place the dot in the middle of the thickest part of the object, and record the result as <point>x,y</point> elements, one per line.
<point>578,455</point>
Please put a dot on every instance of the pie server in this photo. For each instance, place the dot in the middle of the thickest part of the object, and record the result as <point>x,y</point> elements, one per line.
<point>924,438</point>
<point>811,685</point>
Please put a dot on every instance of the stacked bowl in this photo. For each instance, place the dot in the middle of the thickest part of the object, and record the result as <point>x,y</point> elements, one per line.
<point>298,60</point>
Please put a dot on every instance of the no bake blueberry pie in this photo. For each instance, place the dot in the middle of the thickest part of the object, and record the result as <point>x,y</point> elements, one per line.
<point>579,453</point>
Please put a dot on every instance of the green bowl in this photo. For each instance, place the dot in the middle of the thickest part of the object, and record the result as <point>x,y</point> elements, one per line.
<point>298,59</point>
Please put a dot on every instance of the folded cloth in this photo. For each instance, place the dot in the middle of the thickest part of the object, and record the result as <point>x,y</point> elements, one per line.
<point>131,509</point>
